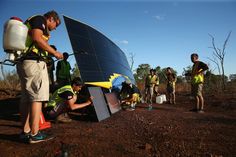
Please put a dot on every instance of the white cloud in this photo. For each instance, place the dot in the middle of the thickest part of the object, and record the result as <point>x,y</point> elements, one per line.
<point>159,17</point>
<point>124,42</point>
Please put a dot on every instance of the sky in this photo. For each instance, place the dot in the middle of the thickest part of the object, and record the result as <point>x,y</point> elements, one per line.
<point>158,33</point>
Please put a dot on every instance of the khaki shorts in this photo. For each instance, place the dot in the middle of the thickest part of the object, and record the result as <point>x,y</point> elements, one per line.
<point>197,89</point>
<point>150,90</point>
<point>34,80</point>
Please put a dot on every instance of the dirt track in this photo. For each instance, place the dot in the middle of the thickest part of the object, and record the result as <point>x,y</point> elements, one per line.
<point>167,130</point>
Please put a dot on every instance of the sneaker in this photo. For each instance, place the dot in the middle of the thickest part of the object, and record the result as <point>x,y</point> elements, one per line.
<point>133,106</point>
<point>130,109</point>
<point>24,137</point>
<point>200,111</point>
<point>63,118</point>
<point>39,137</point>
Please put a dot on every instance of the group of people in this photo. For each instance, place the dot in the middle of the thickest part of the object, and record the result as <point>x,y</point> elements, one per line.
<point>33,73</point>
<point>152,82</point>
<point>133,95</point>
<point>197,80</point>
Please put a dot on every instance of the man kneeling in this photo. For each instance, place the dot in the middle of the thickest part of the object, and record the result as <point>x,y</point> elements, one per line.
<point>64,100</point>
<point>129,94</point>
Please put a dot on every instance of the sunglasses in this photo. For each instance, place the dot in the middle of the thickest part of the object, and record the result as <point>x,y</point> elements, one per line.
<point>57,22</point>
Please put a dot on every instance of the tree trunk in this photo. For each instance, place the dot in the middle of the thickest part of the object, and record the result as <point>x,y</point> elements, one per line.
<point>223,75</point>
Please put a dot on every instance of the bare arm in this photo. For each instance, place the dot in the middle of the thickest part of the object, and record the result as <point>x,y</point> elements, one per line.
<point>36,35</point>
<point>74,106</point>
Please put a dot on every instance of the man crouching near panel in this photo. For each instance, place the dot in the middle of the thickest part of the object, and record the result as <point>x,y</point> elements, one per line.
<point>129,94</point>
<point>64,100</point>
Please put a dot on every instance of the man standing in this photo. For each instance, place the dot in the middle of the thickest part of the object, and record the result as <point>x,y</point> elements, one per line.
<point>63,71</point>
<point>32,71</point>
<point>170,87</point>
<point>197,79</point>
<point>151,85</point>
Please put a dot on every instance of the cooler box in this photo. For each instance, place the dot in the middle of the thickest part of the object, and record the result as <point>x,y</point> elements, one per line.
<point>161,98</point>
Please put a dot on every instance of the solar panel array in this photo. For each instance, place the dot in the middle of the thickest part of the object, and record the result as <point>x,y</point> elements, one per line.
<point>97,56</point>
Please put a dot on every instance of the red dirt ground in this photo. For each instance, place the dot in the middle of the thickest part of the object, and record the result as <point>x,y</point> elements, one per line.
<point>167,130</point>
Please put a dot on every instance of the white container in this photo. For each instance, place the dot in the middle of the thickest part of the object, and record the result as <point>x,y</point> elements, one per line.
<point>14,35</point>
<point>164,97</point>
<point>160,99</point>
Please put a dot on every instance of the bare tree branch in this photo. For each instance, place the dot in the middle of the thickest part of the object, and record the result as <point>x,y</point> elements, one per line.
<point>214,60</point>
<point>226,41</point>
<point>220,54</point>
<point>132,55</point>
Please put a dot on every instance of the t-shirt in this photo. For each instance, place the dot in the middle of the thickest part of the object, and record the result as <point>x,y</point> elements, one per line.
<point>39,22</point>
<point>126,88</point>
<point>135,89</point>
<point>59,64</point>
<point>199,65</point>
<point>171,77</point>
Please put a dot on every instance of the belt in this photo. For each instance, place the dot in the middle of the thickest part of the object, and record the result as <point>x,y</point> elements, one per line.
<point>33,57</point>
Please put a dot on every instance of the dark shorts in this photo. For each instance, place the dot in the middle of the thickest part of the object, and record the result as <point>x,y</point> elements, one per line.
<point>170,89</point>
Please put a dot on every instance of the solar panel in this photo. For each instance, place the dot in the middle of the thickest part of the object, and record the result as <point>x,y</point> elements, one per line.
<point>97,56</point>
<point>99,103</point>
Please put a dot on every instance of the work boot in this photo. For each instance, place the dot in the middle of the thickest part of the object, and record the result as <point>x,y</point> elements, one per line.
<point>63,118</point>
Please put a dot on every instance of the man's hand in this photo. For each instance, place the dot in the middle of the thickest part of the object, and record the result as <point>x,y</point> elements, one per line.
<point>91,98</point>
<point>122,101</point>
<point>58,55</point>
